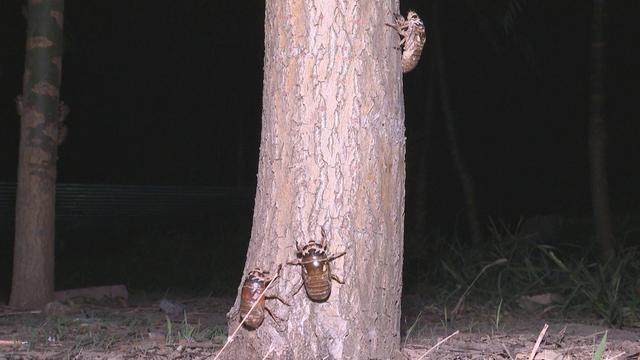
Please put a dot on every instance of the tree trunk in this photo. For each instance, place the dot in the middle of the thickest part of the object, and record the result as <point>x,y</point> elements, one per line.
<point>331,158</point>
<point>466,180</point>
<point>598,134</point>
<point>239,133</point>
<point>40,133</point>
<point>422,178</point>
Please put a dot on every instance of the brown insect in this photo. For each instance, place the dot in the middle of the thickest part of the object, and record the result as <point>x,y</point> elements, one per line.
<point>252,289</point>
<point>316,270</point>
<point>413,34</point>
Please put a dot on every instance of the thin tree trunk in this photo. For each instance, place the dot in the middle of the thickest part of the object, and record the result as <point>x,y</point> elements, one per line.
<point>466,180</point>
<point>41,131</point>
<point>241,162</point>
<point>331,157</point>
<point>598,133</point>
<point>422,178</point>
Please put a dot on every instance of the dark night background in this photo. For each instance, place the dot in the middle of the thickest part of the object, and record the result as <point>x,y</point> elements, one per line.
<point>169,93</point>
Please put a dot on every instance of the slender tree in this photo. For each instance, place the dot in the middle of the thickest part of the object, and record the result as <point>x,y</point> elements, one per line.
<point>41,131</point>
<point>598,133</point>
<point>422,177</point>
<point>466,179</point>
<point>331,160</point>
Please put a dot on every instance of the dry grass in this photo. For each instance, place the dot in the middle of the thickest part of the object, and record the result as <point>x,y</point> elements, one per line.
<point>143,331</point>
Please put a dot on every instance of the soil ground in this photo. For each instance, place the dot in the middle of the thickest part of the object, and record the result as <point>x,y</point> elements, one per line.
<point>141,330</point>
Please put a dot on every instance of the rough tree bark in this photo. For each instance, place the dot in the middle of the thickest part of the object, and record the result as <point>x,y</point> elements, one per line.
<point>40,133</point>
<point>331,157</point>
<point>598,134</point>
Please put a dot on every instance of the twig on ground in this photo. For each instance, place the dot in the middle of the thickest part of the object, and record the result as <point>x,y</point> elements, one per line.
<point>597,333</point>
<point>191,344</point>
<point>12,343</point>
<point>456,309</point>
<point>21,313</point>
<point>537,345</point>
<point>617,356</point>
<point>438,344</point>
<point>506,350</point>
